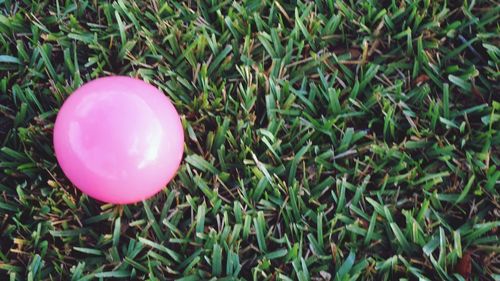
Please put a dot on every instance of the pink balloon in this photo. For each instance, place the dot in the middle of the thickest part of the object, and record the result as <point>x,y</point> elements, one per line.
<point>118,139</point>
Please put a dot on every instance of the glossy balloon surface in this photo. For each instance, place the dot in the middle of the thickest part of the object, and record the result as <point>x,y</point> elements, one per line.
<point>118,139</point>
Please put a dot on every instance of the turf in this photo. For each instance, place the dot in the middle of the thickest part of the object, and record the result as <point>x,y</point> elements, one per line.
<point>325,140</point>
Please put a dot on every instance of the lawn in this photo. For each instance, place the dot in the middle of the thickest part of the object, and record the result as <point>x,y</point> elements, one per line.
<point>324,140</point>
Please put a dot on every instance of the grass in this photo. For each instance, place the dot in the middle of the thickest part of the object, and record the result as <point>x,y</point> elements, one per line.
<point>325,140</point>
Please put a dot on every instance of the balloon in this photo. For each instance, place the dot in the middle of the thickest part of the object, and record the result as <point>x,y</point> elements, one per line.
<point>118,139</point>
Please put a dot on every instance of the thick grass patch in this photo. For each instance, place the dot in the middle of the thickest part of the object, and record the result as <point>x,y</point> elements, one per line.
<point>325,140</point>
